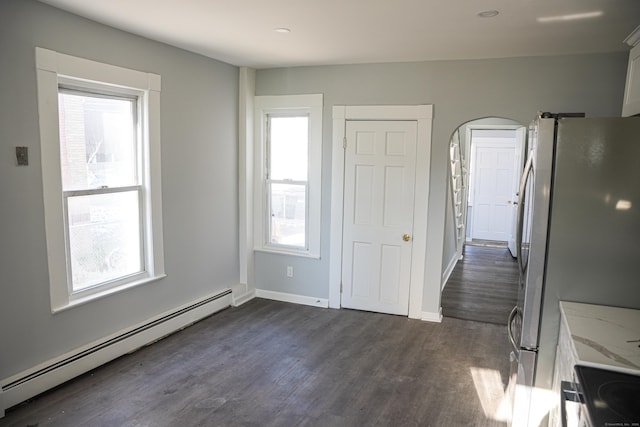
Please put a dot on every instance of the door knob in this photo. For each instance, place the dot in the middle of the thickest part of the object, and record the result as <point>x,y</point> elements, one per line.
<point>406,237</point>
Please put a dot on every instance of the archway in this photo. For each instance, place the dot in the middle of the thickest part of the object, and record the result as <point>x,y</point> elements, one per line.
<point>493,138</point>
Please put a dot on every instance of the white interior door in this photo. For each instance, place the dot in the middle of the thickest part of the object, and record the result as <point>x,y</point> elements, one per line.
<point>380,161</point>
<point>493,189</point>
<point>518,164</point>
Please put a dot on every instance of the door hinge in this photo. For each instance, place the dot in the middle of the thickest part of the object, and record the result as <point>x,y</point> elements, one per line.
<point>344,142</point>
<point>340,287</point>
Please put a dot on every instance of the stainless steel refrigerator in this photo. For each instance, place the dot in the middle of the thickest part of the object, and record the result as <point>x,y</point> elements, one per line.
<point>578,239</point>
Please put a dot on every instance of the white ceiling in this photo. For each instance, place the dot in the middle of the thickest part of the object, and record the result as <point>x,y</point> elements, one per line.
<point>241,32</point>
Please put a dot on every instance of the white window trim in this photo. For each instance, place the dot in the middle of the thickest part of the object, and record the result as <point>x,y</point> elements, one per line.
<point>312,105</point>
<point>53,67</point>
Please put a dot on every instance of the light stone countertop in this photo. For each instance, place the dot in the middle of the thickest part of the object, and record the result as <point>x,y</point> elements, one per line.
<point>603,336</point>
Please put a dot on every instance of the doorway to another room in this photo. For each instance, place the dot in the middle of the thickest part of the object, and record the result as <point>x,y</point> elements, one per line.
<point>379,194</point>
<point>379,181</point>
<point>492,185</point>
<point>480,281</point>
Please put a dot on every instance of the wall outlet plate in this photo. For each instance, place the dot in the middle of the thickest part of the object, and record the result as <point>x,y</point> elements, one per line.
<point>22,156</point>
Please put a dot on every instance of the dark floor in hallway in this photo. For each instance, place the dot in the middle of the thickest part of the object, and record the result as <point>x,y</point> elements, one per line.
<point>270,363</point>
<point>483,286</point>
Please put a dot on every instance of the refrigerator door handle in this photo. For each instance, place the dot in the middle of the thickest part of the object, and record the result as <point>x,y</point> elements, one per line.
<point>512,316</point>
<point>528,171</point>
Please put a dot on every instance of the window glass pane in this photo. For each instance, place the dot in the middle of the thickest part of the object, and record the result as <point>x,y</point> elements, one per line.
<point>289,143</point>
<point>288,214</point>
<point>104,237</point>
<point>97,140</point>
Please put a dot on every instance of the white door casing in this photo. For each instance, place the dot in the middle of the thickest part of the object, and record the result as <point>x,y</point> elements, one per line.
<point>422,115</point>
<point>378,215</point>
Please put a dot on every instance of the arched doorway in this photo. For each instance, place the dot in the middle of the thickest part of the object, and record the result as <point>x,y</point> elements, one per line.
<point>485,159</point>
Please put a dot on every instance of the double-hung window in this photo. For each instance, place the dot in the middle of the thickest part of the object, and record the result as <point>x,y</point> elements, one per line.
<point>100,159</point>
<point>287,179</point>
<point>101,188</point>
<point>288,162</point>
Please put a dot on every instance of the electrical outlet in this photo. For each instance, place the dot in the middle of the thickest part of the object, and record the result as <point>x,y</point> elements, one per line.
<point>22,156</point>
<point>289,271</point>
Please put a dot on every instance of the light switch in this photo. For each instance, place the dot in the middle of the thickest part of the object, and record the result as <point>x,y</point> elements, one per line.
<point>22,156</point>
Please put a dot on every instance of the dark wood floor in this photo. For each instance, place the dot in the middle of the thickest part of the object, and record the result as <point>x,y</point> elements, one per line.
<point>269,363</point>
<point>483,286</point>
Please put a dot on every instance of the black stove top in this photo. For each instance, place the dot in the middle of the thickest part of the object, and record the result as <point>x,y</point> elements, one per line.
<point>612,397</point>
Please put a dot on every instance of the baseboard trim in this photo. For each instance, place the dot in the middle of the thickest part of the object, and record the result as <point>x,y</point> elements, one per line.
<point>449,270</point>
<point>241,295</point>
<point>293,298</point>
<point>432,317</point>
<point>51,373</point>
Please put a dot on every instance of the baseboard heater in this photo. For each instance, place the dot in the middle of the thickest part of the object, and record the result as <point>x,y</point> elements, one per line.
<point>39,379</point>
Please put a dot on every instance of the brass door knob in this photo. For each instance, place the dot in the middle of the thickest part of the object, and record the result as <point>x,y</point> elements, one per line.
<point>406,237</point>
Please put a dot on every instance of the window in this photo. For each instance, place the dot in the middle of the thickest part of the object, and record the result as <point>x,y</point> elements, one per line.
<point>287,180</point>
<point>100,187</point>
<point>288,162</point>
<point>100,161</point>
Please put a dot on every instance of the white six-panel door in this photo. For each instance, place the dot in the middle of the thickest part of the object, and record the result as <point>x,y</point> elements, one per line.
<point>493,193</point>
<point>380,159</point>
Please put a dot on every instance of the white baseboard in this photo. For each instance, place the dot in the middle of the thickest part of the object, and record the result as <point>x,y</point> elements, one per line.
<point>296,299</point>
<point>241,294</point>
<point>449,270</point>
<point>51,373</point>
<point>432,317</point>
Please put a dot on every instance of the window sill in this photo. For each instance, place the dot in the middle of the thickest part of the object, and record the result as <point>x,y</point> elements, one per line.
<point>278,251</point>
<point>80,300</point>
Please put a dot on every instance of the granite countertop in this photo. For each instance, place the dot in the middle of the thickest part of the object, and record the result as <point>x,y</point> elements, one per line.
<point>603,336</point>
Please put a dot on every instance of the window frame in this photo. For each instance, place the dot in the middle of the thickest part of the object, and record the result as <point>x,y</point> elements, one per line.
<point>55,72</point>
<point>282,106</point>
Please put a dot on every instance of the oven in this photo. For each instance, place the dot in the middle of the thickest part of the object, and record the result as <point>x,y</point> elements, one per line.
<point>600,398</point>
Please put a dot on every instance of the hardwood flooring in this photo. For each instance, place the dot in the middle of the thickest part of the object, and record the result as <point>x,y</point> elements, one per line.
<point>483,286</point>
<point>269,363</point>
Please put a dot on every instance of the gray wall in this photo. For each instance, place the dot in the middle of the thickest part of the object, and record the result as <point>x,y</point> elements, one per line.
<point>460,91</point>
<point>199,183</point>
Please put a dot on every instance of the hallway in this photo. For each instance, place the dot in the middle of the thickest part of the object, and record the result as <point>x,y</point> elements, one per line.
<point>483,286</point>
